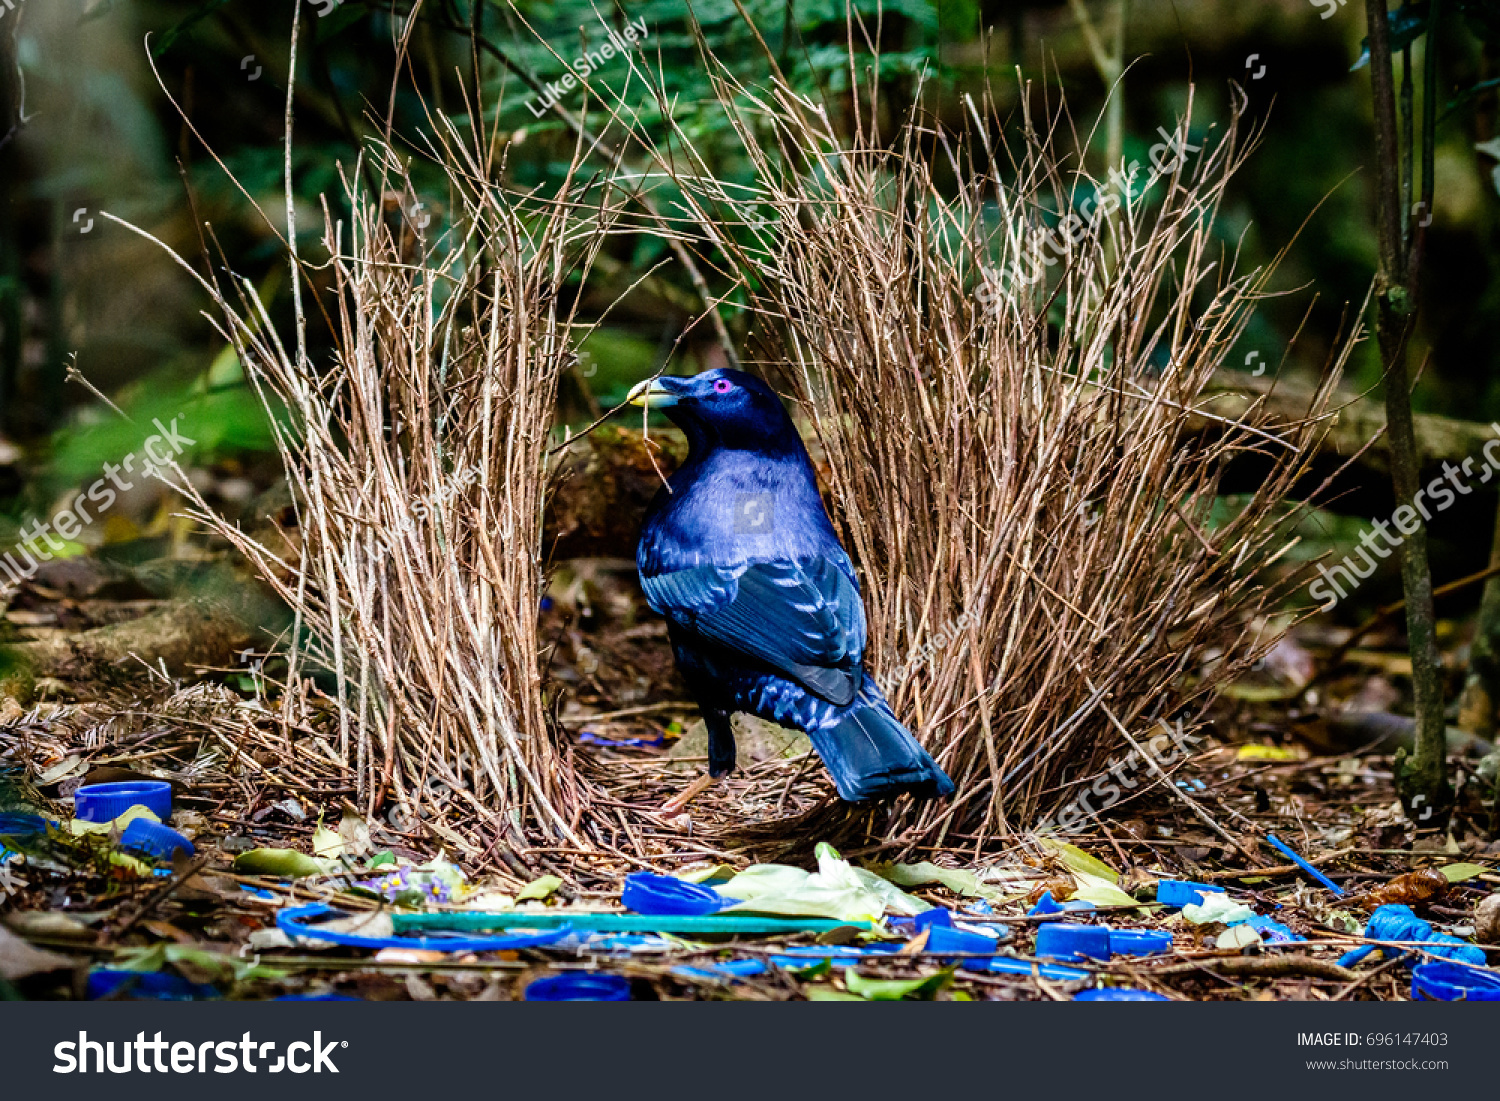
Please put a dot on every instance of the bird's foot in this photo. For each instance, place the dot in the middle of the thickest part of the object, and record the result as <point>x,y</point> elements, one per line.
<point>678,803</point>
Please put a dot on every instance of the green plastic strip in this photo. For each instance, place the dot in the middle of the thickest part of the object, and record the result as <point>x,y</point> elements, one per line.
<point>616,923</point>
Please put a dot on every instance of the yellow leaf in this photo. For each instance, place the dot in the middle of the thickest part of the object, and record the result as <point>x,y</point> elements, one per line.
<point>1457,873</point>
<point>1076,860</point>
<point>1100,891</point>
<point>539,888</point>
<point>326,843</point>
<point>1268,753</point>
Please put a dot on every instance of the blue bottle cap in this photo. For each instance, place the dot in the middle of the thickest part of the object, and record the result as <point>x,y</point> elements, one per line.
<point>665,895</point>
<point>1119,994</point>
<point>1454,982</point>
<point>156,986</point>
<point>1139,942</point>
<point>580,987</point>
<point>106,802</point>
<point>1180,892</point>
<point>941,939</point>
<point>154,839</point>
<point>1059,940</point>
<point>936,918</point>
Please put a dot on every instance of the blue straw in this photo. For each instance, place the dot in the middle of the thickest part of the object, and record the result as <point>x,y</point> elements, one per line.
<point>1304,865</point>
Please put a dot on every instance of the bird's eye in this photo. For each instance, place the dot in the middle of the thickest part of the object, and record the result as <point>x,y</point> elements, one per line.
<point>723,386</point>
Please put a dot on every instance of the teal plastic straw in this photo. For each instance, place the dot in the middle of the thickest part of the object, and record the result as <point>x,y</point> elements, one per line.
<point>598,922</point>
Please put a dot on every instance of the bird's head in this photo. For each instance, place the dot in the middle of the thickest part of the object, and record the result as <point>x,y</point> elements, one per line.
<point>721,407</point>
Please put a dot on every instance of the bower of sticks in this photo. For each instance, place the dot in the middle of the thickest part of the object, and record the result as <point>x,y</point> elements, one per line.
<point>1022,457</point>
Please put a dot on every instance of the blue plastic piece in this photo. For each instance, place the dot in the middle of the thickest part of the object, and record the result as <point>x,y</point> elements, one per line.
<point>16,824</point>
<point>155,986</point>
<point>106,802</point>
<point>1009,965</point>
<point>296,922</point>
<point>1182,892</point>
<point>1397,922</point>
<point>1119,994</point>
<point>942,939</point>
<point>1271,930</point>
<point>936,918</point>
<point>155,840</point>
<point>1287,852</point>
<point>665,895</point>
<point>1045,905</point>
<point>259,892</point>
<point>1453,982</point>
<point>579,987</point>
<point>730,969</point>
<point>805,956</point>
<point>1059,940</point>
<point>1139,942</point>
<point>588,737</point>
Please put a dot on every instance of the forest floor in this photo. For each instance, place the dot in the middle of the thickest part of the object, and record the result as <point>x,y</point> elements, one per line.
<point>133,685</point>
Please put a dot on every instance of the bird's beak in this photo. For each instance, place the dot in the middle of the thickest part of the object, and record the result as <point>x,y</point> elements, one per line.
<point>652,393</point>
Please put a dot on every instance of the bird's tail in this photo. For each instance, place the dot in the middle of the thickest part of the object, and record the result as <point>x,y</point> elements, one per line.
<point>872,756</point>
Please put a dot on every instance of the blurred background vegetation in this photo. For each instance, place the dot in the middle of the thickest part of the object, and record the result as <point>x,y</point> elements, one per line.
<point>88,129</point>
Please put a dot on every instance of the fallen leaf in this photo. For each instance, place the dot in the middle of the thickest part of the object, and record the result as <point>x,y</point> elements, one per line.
<point>1457,873</point>
<point>410,955</point>
<point>19,959</point>
<point>1099,891</point>
<point>1076,860</point>
<point>539,888</point>
<point>64,768</point>
<point>959,882</point>
<point>893,990</point>
<point>1257,752</point>
<point>326,843</point>
<point>279,862</point>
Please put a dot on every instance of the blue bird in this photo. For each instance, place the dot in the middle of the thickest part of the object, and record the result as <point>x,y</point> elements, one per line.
<point>762,604</point>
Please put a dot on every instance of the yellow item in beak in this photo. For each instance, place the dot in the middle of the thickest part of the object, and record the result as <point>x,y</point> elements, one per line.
<point>651,393</point>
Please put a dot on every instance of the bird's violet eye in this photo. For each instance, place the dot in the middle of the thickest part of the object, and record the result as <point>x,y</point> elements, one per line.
<point>723,386</point>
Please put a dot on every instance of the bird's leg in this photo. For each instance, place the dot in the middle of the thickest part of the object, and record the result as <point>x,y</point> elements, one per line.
<point>678,803</point>
<point>720,760</point>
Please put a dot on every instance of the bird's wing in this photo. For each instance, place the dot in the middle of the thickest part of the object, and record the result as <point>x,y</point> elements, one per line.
<point>802,618</point>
